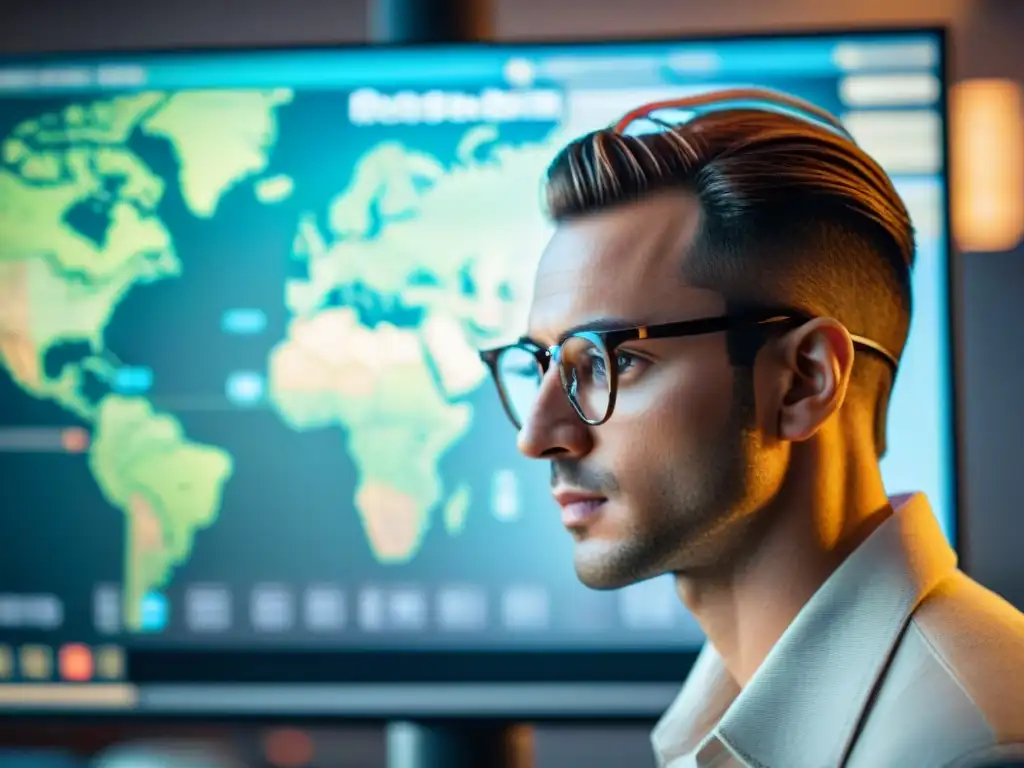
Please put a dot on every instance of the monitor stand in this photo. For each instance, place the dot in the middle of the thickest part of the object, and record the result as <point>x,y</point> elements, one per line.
<point>431,21</point>
<point>459,744</point>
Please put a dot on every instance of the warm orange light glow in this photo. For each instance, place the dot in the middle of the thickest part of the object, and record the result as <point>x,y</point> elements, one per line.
<point>987,164</point>
<point>288,748</point>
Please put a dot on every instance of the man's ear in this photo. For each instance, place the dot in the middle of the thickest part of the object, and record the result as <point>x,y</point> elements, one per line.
<point>818,357</point>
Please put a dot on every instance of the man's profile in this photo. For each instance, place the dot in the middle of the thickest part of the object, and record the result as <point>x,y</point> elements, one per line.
<point>715,331</point>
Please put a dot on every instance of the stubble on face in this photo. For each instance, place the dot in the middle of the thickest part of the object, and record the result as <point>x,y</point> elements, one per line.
<point>688,515</point>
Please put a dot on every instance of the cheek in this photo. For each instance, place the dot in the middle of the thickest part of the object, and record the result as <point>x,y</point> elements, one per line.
<point>661,432</point>
<point>676,405</point>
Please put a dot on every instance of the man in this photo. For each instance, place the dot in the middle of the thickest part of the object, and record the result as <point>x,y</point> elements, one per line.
<point>716,326</point>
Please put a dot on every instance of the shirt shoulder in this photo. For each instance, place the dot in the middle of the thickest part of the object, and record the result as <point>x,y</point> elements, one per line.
<point>955,683</point>
<point>978,637</point>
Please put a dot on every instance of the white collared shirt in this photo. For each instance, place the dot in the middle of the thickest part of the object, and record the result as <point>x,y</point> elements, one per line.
<point>899,659</point>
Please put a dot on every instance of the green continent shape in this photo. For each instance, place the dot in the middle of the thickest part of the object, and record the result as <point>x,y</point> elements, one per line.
<point>56,283</point>
<point>391,232</point>
<point>80,227</point>
<point>167,486</point>
<point>57,160</point>
<point>376,384</point>
<point>220,138</point>
<point>398,391</point>
<point>275,189</point>
<point>456,509</point>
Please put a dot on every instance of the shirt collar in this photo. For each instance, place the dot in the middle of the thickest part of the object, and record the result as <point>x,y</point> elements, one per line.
<point>815,683</point>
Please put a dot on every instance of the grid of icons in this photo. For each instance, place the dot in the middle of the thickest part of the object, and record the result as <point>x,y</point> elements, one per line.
<point>324,610</point>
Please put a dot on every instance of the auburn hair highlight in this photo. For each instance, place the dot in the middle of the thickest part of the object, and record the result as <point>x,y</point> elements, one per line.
<point>738,162</point>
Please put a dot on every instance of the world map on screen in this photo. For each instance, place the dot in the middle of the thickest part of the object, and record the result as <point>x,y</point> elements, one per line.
<point>407,265</point>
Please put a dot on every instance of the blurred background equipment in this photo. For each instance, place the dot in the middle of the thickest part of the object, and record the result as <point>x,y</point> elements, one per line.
<point>987,164</point>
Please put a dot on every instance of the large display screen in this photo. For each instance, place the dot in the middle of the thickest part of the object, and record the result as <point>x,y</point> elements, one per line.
<point>241,296</point>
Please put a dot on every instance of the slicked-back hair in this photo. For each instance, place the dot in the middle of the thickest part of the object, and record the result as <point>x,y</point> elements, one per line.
<point>792,214</point>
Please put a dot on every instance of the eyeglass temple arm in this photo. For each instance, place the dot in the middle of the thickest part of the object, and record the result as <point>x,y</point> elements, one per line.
<point>724,98</point>
<point>866,343</point>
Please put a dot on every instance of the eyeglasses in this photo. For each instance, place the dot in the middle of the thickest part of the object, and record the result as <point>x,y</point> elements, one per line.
<point>590,365</point>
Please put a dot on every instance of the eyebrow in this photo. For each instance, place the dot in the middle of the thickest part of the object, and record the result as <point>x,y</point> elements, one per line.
<point>599,324</point>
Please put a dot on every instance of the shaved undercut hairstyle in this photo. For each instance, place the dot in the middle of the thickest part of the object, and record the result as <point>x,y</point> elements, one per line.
<point>792,213</point>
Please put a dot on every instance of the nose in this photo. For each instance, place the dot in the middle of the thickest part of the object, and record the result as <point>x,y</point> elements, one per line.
<point>552,427</point>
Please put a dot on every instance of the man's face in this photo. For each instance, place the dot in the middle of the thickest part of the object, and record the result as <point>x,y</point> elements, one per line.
<point>677,460</point>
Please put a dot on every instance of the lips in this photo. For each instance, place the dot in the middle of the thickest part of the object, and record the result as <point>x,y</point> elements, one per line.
<point>578,509</point>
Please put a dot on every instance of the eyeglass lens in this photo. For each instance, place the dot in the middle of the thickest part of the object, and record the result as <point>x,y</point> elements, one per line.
<point>582,367</point>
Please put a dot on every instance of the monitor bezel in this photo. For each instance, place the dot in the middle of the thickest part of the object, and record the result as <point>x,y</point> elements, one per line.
<point>617,669</point>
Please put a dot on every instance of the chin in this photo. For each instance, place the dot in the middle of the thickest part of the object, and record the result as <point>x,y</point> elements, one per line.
<point>604,565</point>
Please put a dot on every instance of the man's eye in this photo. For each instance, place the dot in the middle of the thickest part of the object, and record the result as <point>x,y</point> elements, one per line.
<point>625,363</point>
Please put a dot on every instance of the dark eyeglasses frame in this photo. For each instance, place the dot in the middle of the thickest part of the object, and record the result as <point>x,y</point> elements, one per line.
<point>608,341</point>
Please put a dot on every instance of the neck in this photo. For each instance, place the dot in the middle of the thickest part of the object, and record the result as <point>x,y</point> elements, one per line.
<point>826,507</point>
